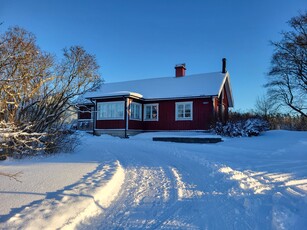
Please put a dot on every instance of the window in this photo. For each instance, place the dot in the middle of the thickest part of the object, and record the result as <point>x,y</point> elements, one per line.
<point>135,111</point>
<point>151,112</point>
<point>110,110</point>
<point>184,111</point>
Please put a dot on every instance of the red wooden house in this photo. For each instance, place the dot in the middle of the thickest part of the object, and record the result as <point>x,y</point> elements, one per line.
<point>178,103</point>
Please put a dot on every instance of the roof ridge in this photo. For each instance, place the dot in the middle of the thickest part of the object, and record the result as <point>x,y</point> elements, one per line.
<point>154,78</point>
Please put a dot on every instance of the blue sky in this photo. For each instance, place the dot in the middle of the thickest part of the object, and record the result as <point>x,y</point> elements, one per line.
<point>145,38</point>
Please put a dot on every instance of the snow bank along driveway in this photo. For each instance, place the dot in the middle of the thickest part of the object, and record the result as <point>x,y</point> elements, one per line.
<point>112,183</point>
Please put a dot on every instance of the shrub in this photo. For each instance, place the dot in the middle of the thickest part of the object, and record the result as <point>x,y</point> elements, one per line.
<point>242,128</point>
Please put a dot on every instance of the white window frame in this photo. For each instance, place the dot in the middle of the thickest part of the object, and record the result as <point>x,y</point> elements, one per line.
<point>99,111</point>
<point>139,108</point>
<point>184,118</point>
<point>151,119</point>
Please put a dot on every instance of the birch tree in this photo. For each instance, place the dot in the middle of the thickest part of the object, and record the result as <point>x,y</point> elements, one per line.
<point>266,107</point>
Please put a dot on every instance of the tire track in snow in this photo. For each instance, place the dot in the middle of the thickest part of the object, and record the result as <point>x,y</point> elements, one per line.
<point>141,203</point>
<point>246,180</point>
<point>148,199</point>
<point>185,190</point>
<point>144,195</point>
<point>158,197</point>
<point>226,207</point>
<point>281,189</point>
<point>67,208</point>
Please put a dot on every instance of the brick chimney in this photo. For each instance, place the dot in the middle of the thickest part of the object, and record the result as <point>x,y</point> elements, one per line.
<point>224,65</point>
<point>180,70</point>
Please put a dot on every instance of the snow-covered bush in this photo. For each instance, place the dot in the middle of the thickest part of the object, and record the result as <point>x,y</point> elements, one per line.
<point>18,143</point>
<point>244,128</point>
<point>66,141</point>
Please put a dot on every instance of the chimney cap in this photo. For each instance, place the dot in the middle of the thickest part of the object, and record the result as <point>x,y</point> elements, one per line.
<point>180,70</point>
<point>180,65</point>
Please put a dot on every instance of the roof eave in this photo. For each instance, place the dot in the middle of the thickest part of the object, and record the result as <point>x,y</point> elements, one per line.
<point>153,99</point>
<point>178,98</point>
<point>228,89</point>
<point>132,95</point>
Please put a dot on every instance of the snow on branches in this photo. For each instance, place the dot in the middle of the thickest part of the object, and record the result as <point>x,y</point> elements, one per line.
<point>242,128</point>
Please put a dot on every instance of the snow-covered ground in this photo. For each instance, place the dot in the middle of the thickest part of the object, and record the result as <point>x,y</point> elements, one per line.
<point>112,183</point>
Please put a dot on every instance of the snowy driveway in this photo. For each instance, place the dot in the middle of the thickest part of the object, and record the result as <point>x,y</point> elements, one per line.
<point>242,183</point>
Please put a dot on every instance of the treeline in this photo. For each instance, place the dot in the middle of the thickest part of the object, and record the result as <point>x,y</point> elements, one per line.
<point>275,121</point>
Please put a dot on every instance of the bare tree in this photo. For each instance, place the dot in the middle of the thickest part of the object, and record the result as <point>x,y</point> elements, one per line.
<point>36,92</point>
<point>23,69</point>
<point>288,75</point>
<point>265,106</point>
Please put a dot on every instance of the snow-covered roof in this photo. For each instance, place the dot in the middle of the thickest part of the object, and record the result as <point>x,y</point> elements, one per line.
<point>81,100</point>
<point>197,85</point>
<point>118,93</point>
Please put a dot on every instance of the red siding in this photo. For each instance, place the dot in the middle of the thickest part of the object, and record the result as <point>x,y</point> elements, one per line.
<point>110,124</point>
<point>137,125</point>
<point>226,106</point>
<point>84,112</point>
<point>221,107</point>
<point>202,116</point>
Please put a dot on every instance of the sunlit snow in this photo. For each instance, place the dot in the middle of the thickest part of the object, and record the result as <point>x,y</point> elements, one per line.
<point>135,183</point>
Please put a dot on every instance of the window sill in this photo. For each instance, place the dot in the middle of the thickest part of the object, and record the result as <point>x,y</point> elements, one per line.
<point>132,119</point>
<point>183,119</point>
<point>110,119</point>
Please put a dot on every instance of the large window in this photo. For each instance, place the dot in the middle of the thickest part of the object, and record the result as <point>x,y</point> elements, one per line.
<point>184,111</point>
<point>151,112</point>
<point>135,111</point>
<point>110,110</point>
